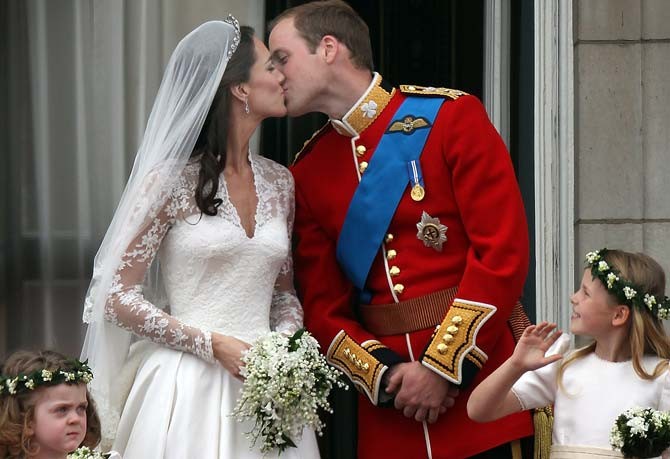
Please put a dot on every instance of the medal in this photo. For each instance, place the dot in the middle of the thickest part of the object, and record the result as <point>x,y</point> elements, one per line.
<point>418,192</point>
<point>431,232</point>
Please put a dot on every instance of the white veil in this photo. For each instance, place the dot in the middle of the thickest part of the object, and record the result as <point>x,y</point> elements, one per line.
<point>191,79</point>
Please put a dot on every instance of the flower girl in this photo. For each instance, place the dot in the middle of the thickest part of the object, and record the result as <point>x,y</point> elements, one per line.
<point>45,408</point>
<point>620,303</point>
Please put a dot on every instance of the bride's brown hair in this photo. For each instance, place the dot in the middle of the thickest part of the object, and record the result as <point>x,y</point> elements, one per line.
<point>18,411</point>
<point>211,144</point>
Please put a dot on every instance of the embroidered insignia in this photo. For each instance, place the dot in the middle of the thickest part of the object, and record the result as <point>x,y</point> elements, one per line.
<point>432,91</point>
<point>369,109</point>
<point>366,111</point>
<point>431,232</point>
<point>408,125</point>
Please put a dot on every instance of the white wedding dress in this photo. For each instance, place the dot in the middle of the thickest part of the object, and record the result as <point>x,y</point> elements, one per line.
<point>217,279</point>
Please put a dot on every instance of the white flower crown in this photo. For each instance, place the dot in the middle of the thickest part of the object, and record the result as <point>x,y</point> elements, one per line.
<point>625,291</point>
<point>76,373</point>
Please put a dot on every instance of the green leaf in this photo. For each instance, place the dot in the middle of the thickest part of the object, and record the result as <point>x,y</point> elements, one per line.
<point>293,340</point>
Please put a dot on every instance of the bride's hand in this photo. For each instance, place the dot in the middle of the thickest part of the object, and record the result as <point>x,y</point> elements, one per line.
<point>228,351</point>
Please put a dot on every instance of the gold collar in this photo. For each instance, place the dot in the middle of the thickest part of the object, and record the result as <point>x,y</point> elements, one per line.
<point>365,111</point>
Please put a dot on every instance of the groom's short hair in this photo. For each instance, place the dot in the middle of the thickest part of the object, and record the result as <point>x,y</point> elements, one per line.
<point>314,20</point>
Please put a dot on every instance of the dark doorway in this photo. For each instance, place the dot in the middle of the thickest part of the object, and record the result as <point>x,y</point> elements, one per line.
<point>522,74</point>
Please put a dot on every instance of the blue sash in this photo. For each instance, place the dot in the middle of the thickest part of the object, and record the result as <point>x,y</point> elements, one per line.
<point>381,188</point>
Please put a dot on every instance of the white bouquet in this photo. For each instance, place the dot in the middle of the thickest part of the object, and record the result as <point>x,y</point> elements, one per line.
<point>87,453</point>
<point>287,382</point>
<point>641,432</point>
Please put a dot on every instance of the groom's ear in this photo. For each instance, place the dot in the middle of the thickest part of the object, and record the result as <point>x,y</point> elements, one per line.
<point>240,91</point>
<point>329,48</point>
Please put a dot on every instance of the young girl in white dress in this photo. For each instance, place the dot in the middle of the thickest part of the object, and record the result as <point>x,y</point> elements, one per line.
<point>46,411</point>
<point>203,227</point>
<point>620,304</point>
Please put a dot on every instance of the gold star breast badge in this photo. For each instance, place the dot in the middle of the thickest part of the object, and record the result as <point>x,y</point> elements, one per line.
<point>431,232</point>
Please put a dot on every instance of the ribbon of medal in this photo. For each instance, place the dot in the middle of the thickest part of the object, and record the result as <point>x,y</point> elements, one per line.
<point>416,179</point>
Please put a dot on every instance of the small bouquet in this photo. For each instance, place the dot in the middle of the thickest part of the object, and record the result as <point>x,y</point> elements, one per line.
<point>87,453</point>
<point>287,382</point>
<point>641,432</point>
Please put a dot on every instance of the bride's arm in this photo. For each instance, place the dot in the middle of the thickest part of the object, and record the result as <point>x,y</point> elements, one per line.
<point>286,312</point>
<point>128,308</point>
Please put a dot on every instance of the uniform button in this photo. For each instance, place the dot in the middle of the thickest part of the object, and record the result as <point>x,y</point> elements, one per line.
<point>388,238</point>
<point>411,88</point>
<point>452,329</point>
<point>391,254</point>
<point>442,348</point>
<point>360,150</point>
<point>447,338</point>
<point>456,320</point>
<point>394,271</point>
<point>399,288</point>
<point>362,166</point>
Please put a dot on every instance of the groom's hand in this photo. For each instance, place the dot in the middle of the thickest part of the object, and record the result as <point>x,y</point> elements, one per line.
<point>420,393</point>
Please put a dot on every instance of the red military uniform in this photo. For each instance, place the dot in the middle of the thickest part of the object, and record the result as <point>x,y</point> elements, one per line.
<point>470,188</point>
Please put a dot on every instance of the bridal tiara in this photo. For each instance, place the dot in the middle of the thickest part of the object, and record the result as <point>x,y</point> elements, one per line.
<point>236,40</point>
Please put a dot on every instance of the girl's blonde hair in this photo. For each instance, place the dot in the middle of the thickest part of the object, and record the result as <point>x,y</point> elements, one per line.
<point>646,332</point>
<point>18,411</point>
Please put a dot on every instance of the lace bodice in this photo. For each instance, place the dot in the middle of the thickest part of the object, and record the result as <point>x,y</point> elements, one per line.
<point>217,279</point>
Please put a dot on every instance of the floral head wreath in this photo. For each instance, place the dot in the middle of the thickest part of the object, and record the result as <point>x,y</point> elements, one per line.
<point>77,372</point>
<point>625,291</point>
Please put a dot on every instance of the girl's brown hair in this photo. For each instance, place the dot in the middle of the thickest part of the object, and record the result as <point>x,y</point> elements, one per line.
<point>646,332</point>
<point>18,411</point>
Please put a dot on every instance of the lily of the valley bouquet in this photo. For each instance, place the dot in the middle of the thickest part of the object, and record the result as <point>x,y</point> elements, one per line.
<point>87,453</point>
<point>641,432</point>
<point>287,382</point>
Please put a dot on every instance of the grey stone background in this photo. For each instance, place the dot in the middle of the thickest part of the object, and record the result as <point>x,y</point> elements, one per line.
<point>622,126</point>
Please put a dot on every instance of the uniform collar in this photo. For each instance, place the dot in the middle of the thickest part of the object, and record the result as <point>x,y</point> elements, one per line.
<point>366,110</point>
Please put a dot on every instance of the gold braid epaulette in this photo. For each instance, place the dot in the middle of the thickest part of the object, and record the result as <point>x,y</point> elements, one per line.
<point>431,91</point>
<point>310,142</point>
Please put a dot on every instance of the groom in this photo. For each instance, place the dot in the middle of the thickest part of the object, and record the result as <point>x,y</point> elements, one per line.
<point>411,242</point>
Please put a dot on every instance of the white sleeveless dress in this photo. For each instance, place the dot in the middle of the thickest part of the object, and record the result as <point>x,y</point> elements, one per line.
<point>217,279</point>
<point>596,393</point>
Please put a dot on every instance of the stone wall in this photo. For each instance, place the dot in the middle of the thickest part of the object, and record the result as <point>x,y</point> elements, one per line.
<point>622,126</point>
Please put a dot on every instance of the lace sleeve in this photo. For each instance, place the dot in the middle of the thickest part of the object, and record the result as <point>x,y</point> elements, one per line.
<point>286,312</point>
<point>129,309</point>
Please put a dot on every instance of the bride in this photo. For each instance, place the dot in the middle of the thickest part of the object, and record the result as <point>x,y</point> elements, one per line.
<point>203,226</point>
